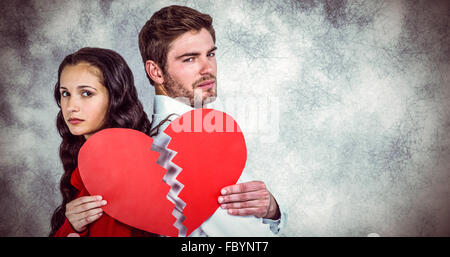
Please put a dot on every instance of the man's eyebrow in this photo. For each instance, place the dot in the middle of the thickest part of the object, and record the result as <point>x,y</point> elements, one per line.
<point>187,54</point>
<point>212,49</point>
<point>194,53</point>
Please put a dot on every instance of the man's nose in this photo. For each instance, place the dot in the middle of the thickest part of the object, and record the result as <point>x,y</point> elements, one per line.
<point>206,66</point>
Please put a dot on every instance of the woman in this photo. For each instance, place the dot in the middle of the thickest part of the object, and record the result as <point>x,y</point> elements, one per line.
<point>95,90</point>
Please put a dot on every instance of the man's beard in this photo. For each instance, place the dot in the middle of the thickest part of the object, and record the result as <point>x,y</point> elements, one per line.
<point>195,97</point>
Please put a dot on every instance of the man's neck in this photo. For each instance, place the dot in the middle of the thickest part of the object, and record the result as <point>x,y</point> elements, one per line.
<point>160,90</point>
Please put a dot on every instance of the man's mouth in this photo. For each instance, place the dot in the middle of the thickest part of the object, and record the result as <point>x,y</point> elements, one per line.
<point>207,84</point>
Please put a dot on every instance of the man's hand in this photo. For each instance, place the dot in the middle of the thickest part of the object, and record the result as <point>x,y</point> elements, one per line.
<point>250,198</point>
<point>83,211</point>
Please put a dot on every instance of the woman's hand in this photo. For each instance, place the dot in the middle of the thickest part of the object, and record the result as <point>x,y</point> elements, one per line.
<point>83,211</point>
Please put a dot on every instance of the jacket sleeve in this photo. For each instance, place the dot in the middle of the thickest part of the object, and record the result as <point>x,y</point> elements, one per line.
<point>221,224</point>
<point>66,229</point>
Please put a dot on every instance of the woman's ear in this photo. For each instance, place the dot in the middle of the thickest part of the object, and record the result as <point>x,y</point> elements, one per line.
<point>154,72</point>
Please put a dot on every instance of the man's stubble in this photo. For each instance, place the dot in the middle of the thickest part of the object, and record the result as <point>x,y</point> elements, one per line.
<point>194,98</point>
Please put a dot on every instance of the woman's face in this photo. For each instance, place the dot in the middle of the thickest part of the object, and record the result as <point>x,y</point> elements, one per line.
<point>84,100</point>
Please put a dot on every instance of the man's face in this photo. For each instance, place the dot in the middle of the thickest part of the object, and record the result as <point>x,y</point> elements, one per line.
<point>191,68</point>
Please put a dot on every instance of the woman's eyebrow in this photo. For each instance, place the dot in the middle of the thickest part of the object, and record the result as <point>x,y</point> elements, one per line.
<point>79,87</point>
<point>86,86</point>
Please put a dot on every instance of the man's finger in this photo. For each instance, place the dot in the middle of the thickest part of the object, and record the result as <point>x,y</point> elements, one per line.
<point>246,204</point>
<point>253,195</point>
<point>258,212</point>
<point>243,187</point>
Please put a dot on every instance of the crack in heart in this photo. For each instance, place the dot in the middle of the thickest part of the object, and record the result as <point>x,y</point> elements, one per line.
<point>160,145</point>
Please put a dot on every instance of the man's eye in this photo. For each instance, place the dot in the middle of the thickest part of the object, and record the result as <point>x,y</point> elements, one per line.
<point>191,59</point>
<point>212,54</point>
<point>86,93</point>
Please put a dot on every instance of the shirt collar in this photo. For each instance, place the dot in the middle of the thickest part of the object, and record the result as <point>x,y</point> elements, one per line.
<point>167,105</point>
<point>163,105</point>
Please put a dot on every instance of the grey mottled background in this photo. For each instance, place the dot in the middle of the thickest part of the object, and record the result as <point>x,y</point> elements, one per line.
<point>357,93</point>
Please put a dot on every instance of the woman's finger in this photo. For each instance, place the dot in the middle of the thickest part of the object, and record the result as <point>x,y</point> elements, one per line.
<point>89,213</point>
<point>82,200</point>
<point>81,224</point>
<point>86,207</point>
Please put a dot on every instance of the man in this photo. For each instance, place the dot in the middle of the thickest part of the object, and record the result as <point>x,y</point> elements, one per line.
<point>178,49</point>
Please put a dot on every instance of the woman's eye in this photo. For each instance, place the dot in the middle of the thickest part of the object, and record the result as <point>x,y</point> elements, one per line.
<point>64,93</point>
<point>86,93</point>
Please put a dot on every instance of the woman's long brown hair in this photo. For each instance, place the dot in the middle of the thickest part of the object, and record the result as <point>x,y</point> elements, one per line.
<point>124,111</point>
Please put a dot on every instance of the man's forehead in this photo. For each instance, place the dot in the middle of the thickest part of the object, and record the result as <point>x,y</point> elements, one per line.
<point>191,41</point>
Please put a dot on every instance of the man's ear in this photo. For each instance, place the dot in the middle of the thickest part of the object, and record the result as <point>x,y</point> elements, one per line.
<point>154,72</point>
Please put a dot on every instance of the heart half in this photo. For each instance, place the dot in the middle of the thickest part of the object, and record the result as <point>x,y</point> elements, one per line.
<point>211,158</point>
<point>118,164</point>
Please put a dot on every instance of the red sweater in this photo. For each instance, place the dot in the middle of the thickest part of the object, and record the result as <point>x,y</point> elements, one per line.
<point>106,226</point>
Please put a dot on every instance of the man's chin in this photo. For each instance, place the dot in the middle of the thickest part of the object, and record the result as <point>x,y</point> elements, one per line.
<point>209,99</point>
<point>201,98</point>
<point>200,103</point>
<point>209,96</point>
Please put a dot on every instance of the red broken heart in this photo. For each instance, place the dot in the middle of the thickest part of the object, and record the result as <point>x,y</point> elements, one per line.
<point>119,165</point>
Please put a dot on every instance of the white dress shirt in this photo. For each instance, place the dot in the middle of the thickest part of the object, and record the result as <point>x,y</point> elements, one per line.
<point>220,223</point>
